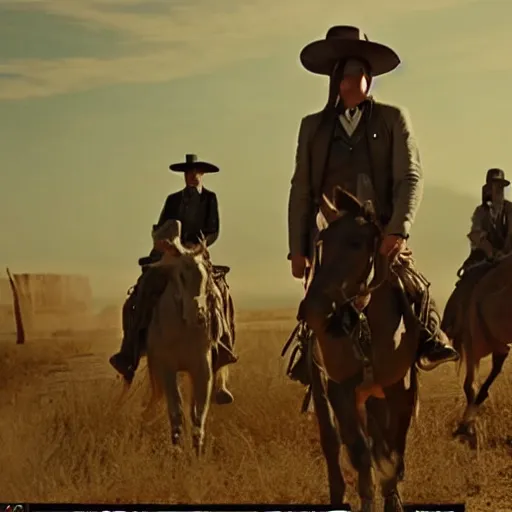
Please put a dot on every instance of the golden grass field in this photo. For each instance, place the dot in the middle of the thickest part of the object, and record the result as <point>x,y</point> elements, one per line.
<point>66,437</point>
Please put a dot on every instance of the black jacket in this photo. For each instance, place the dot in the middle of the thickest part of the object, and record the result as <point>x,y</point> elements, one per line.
<point>205,217</point>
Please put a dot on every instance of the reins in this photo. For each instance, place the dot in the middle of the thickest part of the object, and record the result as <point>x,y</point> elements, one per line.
<point>376,282</point>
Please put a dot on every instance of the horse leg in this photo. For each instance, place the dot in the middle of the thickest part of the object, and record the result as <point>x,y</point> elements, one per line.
<point>497,365</point>
<point>202,382</point>
<point>398,408</point>
<point>174,405</point>
<point>343,400</point>
<point>329,438</point>
<point>406,409</point>
<point>466,428</point>
<point>222,393</point>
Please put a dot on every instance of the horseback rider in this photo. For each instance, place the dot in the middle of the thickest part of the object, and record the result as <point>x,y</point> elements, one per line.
<point>197,210</point>
<point>491,223</point>
<point>368,148</point>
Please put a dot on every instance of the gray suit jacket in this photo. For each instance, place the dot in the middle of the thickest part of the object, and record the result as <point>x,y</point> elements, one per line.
<point>398,176</point>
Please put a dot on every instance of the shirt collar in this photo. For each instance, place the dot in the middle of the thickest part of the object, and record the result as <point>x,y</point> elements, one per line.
<point>189,190</point>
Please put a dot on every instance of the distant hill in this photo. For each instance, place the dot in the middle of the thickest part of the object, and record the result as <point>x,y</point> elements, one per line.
<point>438,240</point>
<point>439,237</point>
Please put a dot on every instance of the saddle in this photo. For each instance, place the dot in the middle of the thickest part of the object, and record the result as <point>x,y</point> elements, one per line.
<point>469,268</point>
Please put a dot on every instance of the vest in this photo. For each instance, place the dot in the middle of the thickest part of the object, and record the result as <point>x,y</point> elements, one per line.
<point>361,164</point>
<point>496,232</point>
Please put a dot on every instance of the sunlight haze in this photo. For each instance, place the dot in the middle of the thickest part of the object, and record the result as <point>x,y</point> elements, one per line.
<point>97,98</point>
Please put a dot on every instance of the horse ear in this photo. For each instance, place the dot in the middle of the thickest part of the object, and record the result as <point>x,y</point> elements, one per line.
<point>346,202</point>
<point>369,211</point>
<point>329,210</point>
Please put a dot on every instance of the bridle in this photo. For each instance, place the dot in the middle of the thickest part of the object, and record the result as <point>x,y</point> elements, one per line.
<point>365,289</point>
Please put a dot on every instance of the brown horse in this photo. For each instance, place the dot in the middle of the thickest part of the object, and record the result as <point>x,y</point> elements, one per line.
<point>478,319</point>
<point>360,353</point>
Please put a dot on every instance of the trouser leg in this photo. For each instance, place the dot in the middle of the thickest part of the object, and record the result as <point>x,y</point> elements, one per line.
<point>137,313</point>
<point>434,348</point>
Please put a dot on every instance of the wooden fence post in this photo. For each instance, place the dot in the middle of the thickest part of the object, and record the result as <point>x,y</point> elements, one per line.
<point>20,331</point>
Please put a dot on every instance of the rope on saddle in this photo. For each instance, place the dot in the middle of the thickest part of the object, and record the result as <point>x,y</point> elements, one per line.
<point>220,322</point>
<point>417,287</point>
<point>302,335</point>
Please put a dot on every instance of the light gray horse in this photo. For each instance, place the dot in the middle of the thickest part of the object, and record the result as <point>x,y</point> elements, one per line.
<point>187,322</point>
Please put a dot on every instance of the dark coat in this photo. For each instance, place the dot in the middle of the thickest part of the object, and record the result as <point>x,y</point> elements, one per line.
<point>201,220</point>
<point>204,219</point>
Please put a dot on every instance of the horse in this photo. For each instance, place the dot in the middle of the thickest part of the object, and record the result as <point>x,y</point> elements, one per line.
<point>361,352</point>
<point>186,327</point>
<point>478,319</point>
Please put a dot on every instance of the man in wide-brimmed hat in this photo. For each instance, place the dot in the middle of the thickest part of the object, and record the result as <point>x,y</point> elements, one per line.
<point>366,147</point>
<point>197,210</point>
<point>491,223</point>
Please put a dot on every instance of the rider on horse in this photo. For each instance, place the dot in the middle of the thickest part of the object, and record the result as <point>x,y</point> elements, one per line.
<point>491,223</point>
<point>368,148</point>
<point>197,210</point>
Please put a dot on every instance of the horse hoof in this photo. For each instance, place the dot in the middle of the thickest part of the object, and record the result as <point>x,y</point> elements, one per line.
<point>223,397</point>
<point>176,438</point>
<point>393,503</point>
<point>367,506</point>
<point>400,472</point>
<point>198,447</point>
<point>467,434</point>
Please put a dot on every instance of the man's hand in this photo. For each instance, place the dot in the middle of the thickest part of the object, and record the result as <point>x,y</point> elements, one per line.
<point>487,248</point>
<point>392,245</point>
<point>298,266</point>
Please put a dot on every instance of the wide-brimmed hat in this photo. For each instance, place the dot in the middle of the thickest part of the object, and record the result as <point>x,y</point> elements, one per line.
<point>191,163</point>
<point>345,42</point>
<point>496,176</point>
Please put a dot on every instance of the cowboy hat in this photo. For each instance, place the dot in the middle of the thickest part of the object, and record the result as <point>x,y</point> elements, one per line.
<point>191,163</point>
<point>496,176</point>
<point>345,42</point>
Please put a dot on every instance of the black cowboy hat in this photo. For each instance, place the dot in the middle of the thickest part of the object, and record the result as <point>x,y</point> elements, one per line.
<point>496,176</point>
<point>191,163</point>
<point>346,42</point>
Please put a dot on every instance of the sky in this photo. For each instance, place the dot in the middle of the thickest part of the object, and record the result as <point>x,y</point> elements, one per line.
<point>98,97</point>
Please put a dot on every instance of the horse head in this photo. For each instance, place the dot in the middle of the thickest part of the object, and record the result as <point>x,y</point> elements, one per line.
<point>346,255</point>
<point>189,268</point>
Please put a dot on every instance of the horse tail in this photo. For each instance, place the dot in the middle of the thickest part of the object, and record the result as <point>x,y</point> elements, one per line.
<point>459,347</point>
<point>231,316</point>
<point>155,383</point>
<point>414,389</point>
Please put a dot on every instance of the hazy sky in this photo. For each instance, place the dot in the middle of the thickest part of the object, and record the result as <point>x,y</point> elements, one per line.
<point>98,97</point>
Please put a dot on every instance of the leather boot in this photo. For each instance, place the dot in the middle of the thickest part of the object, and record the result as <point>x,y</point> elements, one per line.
<point>434,348</point>
<point>136,319</point>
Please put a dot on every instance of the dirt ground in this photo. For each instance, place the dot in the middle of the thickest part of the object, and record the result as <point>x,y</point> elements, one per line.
<point>66,436</point>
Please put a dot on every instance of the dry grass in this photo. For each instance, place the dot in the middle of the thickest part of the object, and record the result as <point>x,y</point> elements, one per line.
<point>77,442</point>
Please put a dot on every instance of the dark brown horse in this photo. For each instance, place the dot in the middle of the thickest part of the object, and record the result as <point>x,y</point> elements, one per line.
<point>478,320</point>
<point>360,353</point>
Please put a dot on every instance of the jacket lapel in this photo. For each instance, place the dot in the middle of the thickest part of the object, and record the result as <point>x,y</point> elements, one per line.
<point>320,147</point>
